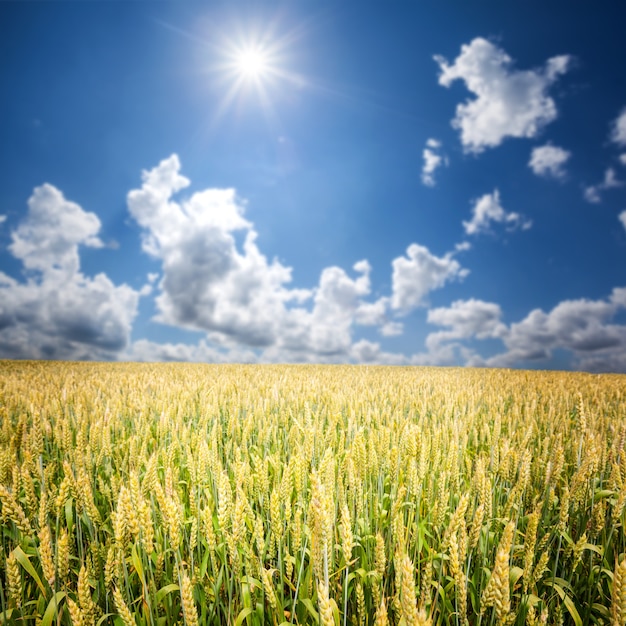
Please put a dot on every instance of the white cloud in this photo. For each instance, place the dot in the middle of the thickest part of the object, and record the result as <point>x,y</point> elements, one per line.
<point>336,301</point>
<point>211,283</point>
<point>465,319</point>
<point>392,329</point>
<point>415,275</point>
<point>583,327</point>
<point>470,318</point>
<point>54,317</point>
<point>618,132</point>
<point>376,314</point>
<point>432,161</point>
<point>365,351</point>
<point>222,285</point>
<point>508,102</point>
<point>549,161</point>
<point>622,158</point>
<point>372,313</point>
<point>592,193</point>
<point>58,312</point>
<point>144,350</point>
<point>464,246</point>
<point>610,179</point>
<point>487,209</point>
<point>47,240</point>
<point>3,219</point>
<point>208,284</point>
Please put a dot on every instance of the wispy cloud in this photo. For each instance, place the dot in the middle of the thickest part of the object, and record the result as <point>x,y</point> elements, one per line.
<point>593,193</point>
<point>618,130</point>
<point>488,209</point>
<point>433,160</point>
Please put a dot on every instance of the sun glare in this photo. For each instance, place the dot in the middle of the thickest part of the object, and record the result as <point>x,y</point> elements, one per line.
<point>252,63</point>
<point>252,67</point>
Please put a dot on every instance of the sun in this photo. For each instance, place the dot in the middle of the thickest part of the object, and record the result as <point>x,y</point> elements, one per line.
<point>254,71</point>
<point>252,63</point>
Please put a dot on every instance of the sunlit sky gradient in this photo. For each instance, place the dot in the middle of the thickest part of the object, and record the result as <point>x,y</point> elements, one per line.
<point>411,183</point>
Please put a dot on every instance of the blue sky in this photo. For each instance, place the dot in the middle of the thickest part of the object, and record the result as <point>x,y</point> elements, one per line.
<point>407,183</point>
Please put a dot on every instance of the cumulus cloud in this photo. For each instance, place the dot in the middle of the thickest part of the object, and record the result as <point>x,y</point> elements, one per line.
<point>372,313</point>
<point>201,352</point>
<point>469,318</point>
<point>336,301</point>
<point>488,209</point>
<point>48,239</point>
<point>549,161</point>
<point>582,327</point>
<point>465,319</point>
<point>208,283</point>
<point>215,279</point>
<point>376,314</point>
<point>223,285</point>
<point>593,193</point>
<point>507,102</point>
<point>392,329</point>
<point>618,131</point>
<point>622,158</point>
<point>3,218</point>
<point>432,161</point>
<point>418,273</point>
<point>58,312</point>
<point>365,351</point>
<point>586,329</point>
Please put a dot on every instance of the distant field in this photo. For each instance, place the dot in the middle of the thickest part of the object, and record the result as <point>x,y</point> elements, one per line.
<point>219,494</point>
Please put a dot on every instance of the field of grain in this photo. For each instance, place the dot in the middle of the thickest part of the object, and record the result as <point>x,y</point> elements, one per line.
<point>211,494</point>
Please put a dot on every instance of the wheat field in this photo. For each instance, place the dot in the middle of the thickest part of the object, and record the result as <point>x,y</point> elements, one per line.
<point>137,494</point>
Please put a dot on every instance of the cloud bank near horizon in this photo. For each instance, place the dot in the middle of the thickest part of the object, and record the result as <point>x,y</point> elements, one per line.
<point>215,280</point>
